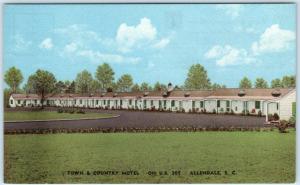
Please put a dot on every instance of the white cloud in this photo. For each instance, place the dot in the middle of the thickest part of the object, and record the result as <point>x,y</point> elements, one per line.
<point>274,39</point>
<point>161,44</point>
<point>150,65</point>
<point>20,43</point>
<point>46,44</point>
<point>98,57</point>
<point>232,10</point>
<point>228,55</point>
<point>130,36</point>
<point>70,47</point>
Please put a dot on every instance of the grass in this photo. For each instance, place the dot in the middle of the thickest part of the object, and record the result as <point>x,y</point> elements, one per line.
<point>49,115</point>
<point>257,157</point>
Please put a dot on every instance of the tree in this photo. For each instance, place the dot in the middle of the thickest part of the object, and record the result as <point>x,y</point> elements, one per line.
<point>83,82</point>
<point>159,87</point>
<point>145,87</point>
<point>197,78</point>
<point>60,87</point>
<point>95,86</point>
<point>28,87</point>
<point>135,88</point>
<point>245,83</point>
<point>125,83</point>
<point>261,83</point>
<point>276,83</point>
<point>217,86</point>
<point>105,76</point>
<point>13,77</point>
<point>42,82</point>
<point>288,81</point>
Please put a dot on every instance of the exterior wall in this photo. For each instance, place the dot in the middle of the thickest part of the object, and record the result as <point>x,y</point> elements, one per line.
<point>272,108</point>
<point>237,106</point>
<point>12,102</point>
<point>285,108</point>
<point>210,105</point>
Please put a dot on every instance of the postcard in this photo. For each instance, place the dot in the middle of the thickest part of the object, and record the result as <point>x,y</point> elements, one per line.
<point>149,93</point>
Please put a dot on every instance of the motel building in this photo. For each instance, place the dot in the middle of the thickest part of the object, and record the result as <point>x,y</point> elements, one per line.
<point>264,102</point>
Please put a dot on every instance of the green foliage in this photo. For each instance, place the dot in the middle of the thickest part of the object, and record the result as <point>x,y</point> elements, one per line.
<point>105,76</point>
<point>145,87</point>
<point>288,81</point>
<point>71,87</point>
<point>197,78</point>
<point>125,83</point>
<point>42,82</point>
<point>83,82</point>
<point>251,154</point>
<point>135,88</point>
<point>217,86</point>
<point>245,83</point>
<point>294,109</point>
<point>276,83</point>
<point>13,77</point>
<point>261,83</point>
<point>60,87</point>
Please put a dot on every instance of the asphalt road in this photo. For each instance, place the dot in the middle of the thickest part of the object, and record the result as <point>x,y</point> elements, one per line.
<point>140,119</point>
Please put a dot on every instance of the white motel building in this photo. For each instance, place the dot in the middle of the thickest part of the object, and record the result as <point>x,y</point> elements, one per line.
<point>227,100</point>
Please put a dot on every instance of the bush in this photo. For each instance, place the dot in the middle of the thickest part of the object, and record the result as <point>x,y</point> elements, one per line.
<point>259,113</point>
<point>214,111</point>
<point>282,125</point>
<point>60,110</point>
<point>276,117</point>
<point>72,111</point>
<point>292,121</point>
<point>80,111</point>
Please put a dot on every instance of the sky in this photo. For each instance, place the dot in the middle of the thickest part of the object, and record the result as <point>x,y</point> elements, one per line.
<point>153,42</point>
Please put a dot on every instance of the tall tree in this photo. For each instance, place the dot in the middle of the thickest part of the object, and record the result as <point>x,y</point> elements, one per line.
<point>288,81</point>
<point>261,83</point>
<point>105,76</point>
<point>13,77</point>
<point>43,82</point>
<point>245,83</point>
<point>145,87</point>
<point>197,78</point>
<point>71,87</point>
<point>125,83</point>
<point>217,86</point>
<point>95,86</point>
<point>276,83</point>
<point>135,88</point>
<point>159,87</point>
<point>28,87</point>
<point>83,82</point>
<point>60,87</point>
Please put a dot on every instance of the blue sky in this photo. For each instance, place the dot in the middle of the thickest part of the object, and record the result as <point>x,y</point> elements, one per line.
<point>153,42</point>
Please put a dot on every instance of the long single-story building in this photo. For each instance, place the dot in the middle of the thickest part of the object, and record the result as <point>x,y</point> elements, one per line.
<point>228,100</point>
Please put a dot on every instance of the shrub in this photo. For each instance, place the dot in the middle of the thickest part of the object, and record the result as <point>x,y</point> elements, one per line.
<point>259,113</point>
<point>72,111</point>
<point>282,125</point>
<point>214,111</point>
<point>276,117</point>
<point>292,121</point>
<point>80,111</point>
<point>60,110</point>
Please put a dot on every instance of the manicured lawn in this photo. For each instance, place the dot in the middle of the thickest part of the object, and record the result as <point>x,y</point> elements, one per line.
<point>254,156</point>
<point>49,115</point>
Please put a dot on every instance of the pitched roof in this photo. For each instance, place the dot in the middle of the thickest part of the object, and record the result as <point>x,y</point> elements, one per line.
<point>226,93</point>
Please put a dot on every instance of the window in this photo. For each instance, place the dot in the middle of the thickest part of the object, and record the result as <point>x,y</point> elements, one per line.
<point>159,103</point>
<point>227,103</point>
<point>11,101</point>
<point>201,104</point>
<point>277,106</point>
<point>257,104</point>
<point>121,102</point>
<point>80,101</point>
<point>97,102</point>
<point>35,101</point>
<point>173,103</point>
<point>130,102</point>
<point>235,108</point>
<point>108,102</point>
<point>145,104</point>
<point>151,102</point>
<point>165,103</point>
<point>193,104</point>
<point>19,101</point>
<point>218,103</point>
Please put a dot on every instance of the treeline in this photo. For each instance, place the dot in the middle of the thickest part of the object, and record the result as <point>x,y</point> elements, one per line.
<point>43,82</point>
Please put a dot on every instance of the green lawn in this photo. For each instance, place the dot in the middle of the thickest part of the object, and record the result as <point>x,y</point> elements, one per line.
<point>49,115</point>
<point>255,156</point>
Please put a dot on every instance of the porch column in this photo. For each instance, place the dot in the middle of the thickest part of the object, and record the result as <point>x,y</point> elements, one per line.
<point>267,112</point>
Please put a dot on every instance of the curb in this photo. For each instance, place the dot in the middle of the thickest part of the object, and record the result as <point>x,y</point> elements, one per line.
<point>24,121</point>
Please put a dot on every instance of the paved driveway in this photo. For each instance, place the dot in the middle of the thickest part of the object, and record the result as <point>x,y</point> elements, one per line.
<point>139,119</point>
